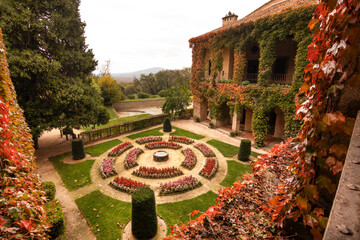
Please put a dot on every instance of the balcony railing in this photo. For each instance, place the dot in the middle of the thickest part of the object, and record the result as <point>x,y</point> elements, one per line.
<point>281,78</point>
<point>251,77</point>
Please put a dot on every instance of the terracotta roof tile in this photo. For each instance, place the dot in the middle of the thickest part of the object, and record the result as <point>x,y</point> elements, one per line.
<point>270,8</point>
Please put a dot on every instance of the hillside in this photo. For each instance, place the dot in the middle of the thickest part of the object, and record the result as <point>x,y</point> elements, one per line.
<point>128,77</point>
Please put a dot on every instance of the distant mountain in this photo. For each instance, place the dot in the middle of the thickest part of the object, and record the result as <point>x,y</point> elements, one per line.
<point>128,77</point>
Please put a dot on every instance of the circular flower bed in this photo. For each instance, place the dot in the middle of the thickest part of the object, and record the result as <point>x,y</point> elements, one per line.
<point>126,184</point>
<point>190,158</point>
<point>179,186</point>
<point>107,168</point>
<point>206,151</point>
<point>119,149</point>
<point>210,168</point>
<point>184,140</point>
<point>153,172</point>
<point>162,144</point>
<point>148,139</point>
<point>131,158</point>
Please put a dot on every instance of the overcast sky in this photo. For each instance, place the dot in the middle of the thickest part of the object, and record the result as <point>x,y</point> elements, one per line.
<point>141,34</point>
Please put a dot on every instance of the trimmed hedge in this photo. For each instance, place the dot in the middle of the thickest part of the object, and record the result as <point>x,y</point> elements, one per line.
<point>78,151</point>
<point>143,213</point>
<point>50,190</point>
<point>244,150</point>
<point>167,125</point>
<point>55,218</point>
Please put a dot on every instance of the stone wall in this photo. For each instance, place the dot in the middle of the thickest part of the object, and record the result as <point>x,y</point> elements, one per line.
<point>134,105</point>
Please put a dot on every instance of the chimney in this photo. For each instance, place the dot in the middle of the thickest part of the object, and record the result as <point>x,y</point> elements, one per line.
<point>229,18</point>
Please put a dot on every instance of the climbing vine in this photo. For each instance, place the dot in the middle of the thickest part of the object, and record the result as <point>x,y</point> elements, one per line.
<point>303,173</point>
<point>266,32</point>
<point>22,214</point>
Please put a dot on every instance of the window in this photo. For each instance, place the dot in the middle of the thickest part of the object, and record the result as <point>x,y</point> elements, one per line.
<point>280,65</point>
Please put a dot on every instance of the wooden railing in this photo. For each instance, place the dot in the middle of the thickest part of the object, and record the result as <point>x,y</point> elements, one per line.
<point>251,77</point>
<point>281,78</point>
<point>122,128</point>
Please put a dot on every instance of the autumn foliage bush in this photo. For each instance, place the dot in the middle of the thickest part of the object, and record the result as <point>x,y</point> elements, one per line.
<point>22,214</point>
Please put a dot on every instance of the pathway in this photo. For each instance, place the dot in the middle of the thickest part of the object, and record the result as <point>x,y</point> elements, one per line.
<point>52,144</point>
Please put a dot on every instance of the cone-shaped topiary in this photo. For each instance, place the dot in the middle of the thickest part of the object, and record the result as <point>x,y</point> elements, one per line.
<point>244,150</point>
<point>143,216</point>
<point>78,151</point>
<point>167,125</point>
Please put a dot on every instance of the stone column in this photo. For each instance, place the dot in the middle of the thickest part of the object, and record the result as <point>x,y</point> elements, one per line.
<point>279,123</point>
<point>200,109</point>
<point>235,123</point>
<point>248,119</point>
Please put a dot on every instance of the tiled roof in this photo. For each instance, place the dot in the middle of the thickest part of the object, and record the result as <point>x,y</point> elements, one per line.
<point>270,8</point>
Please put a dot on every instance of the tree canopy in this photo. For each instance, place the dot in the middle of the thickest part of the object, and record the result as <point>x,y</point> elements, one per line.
<point>49,62</point>
<point>177,99</point>
<point>110,90</point>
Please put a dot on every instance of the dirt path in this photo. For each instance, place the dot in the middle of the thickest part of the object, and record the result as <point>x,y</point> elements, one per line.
<point>52,144</point>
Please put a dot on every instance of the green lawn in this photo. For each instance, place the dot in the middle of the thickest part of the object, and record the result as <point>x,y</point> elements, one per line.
<point>151,132</point>
<point>107,216</point>
<point>74,176</point>
<point>178,212</point>
<point>255,154</point>
<point>235,172</point>
<point>226,150</point>
<point>112,112</point>
<point>184,133</point>
<point>117,121</point>
<point>100,148</point>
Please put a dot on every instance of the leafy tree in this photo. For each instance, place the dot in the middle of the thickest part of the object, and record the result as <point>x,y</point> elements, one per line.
<point>48,60</point>
<point>110,90</point>
<point>177,99</point>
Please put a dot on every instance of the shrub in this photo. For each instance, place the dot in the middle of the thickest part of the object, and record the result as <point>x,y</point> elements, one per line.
<point>167,125</point>
<point>245,83</point>
<point>197,119</point>
<point>162,93</point>
<point>131,96</point>
<point>55,218</point>
<point>144,220</point>
<point>78,151</point>
<point>232,134</point>
<point>50,190</point>
<point>143,95</point>
<point>67,130</point>
<point>244,150</point>
<point>211,125</point>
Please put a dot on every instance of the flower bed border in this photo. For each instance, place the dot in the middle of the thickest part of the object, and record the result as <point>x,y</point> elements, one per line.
<point>127,166</point>
<point>148,139</point>
<point>211,154</point>
<point>180,139</point>
<point>213,172</point>
<point>121,151</point>
<point>183,164</point>
<point>124,188</point>
<point>178,190</point>
<point>176,173</point>
<point>162,144</point>
<point>112,173</point>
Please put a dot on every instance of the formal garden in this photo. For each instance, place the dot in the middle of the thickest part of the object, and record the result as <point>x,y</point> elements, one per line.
<point>185,170</point>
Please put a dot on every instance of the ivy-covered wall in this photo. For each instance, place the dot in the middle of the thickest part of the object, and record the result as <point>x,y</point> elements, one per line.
<point>264,96</point>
